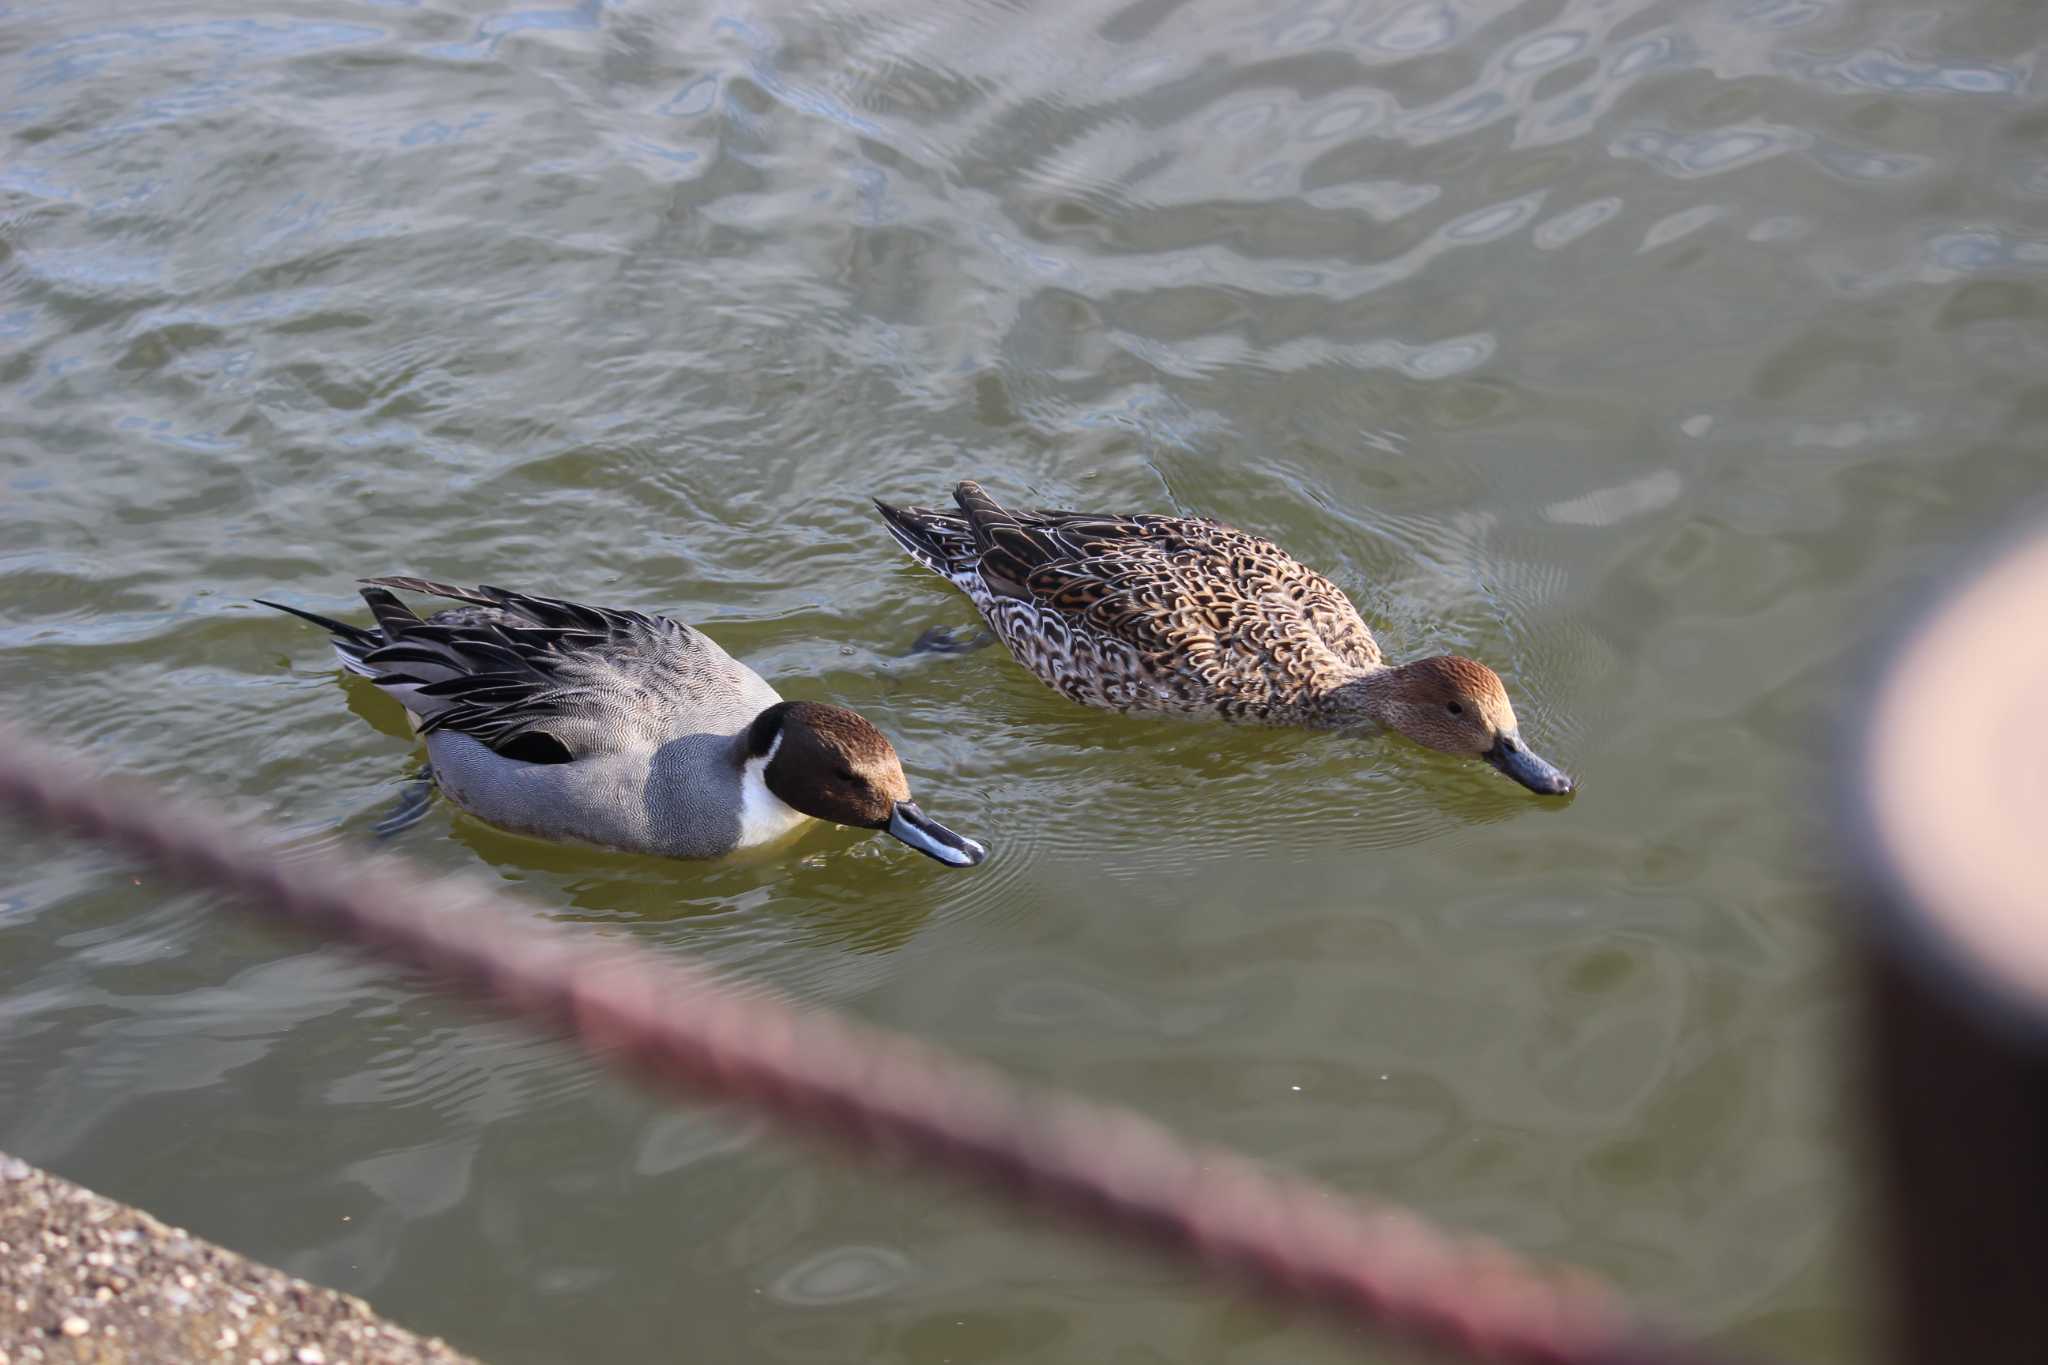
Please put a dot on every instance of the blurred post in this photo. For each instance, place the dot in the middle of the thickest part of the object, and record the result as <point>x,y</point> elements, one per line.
<point>1948,817</point>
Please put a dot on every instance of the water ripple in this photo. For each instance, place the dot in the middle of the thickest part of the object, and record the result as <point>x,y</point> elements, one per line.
<point>1684,223</point>
<point>1889,71</point>
<point>845,1274</point>
<point>1574,223</point>
<point>1425,26</point>
<point>1691,156</point>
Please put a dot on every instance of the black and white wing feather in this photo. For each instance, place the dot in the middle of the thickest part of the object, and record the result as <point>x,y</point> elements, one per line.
<point>538,679</point>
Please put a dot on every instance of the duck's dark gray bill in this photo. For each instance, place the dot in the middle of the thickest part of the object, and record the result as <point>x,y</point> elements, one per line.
<point>933,839</point>
<point>1540,775</point>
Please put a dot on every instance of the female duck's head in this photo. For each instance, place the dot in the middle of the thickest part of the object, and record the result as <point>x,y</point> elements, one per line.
<point>1456,706</point>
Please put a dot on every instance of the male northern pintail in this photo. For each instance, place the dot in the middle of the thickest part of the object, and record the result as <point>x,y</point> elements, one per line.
<point>1187,615</point>
<point>626,730</point>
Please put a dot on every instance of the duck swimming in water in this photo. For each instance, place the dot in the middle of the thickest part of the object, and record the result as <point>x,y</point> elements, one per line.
<point>1188,616</point>
<point>621,729</point>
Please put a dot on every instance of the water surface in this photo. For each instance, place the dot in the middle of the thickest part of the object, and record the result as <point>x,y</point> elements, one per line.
<point>1649,352</point>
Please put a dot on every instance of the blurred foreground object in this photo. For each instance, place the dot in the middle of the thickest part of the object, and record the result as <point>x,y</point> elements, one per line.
<point>1948,824</point>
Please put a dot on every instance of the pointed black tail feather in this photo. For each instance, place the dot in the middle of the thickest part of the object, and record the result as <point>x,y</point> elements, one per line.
<point>340,630</point>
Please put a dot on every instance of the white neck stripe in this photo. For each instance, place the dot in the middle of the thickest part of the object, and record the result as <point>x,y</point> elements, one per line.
<point>763,814</point>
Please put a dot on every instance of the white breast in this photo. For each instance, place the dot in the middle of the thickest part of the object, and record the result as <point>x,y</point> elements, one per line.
<point>763,814</point>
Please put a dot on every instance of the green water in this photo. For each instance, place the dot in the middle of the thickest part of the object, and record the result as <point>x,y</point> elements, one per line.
<point>1650,352</point>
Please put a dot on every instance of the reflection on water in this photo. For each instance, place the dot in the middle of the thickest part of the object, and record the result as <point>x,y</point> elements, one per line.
<point>1644,352</point>
<point>842,1275</point>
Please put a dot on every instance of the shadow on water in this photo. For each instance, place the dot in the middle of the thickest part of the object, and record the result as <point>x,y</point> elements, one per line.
<point>814,879</point>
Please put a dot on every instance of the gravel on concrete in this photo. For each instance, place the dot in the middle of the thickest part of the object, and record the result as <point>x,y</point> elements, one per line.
<point>85,1278</point>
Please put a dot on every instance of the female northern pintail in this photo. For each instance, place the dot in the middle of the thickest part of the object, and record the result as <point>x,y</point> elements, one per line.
<point>1187,615</point>
<point>631,731</point>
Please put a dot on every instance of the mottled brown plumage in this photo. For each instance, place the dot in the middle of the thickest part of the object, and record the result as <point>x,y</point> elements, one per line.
<point>1186,615</point>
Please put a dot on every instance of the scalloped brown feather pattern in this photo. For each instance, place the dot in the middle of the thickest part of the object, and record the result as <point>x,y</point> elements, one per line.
<point>1148,613</point>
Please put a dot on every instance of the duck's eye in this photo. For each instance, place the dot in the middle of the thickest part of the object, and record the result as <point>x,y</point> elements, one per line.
<point>846,775</point>
<point>1455,709</point>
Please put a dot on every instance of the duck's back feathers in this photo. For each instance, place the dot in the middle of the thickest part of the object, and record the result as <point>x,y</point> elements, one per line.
<point>1145,612</point>
<point>540,679</point>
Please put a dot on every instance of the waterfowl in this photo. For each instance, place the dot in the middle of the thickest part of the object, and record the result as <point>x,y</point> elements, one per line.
<point>1186,615</point>
<point>621,729</point>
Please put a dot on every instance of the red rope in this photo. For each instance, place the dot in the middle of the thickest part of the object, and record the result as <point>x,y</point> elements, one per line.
<point>1296,1241</point>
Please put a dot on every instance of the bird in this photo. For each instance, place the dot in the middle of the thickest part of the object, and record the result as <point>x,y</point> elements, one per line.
<point>1188,616</point>
<point>622,729</point>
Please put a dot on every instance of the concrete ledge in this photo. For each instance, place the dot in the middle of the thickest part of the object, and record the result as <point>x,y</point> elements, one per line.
<point>84,1278</point>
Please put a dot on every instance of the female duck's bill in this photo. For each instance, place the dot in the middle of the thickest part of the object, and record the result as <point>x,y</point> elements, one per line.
<point>931,838</point>
<point>1523,764</point>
